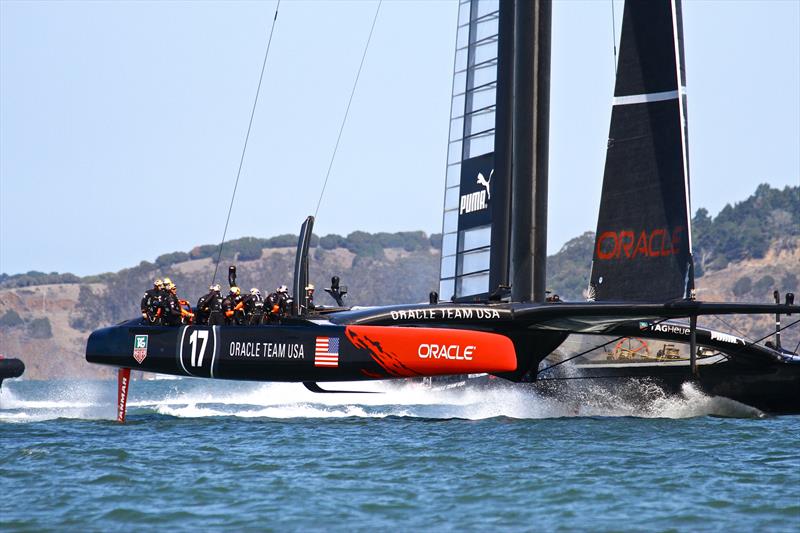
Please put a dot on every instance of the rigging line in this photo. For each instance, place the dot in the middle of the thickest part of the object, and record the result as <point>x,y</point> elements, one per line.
<point>246,138</point>
<point>749,343</point>
<point>347,110</point>
<point>752,358</point>
<point>753,343</point>
<point>614,34</point>
<point>737,330</point>
<point>768,335</point>
<point>570,358</point>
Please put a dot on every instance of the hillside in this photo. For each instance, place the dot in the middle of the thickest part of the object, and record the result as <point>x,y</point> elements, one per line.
<point>46,318</point>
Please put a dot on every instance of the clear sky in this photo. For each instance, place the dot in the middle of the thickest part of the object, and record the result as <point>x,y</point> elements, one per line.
<point>122,123</point>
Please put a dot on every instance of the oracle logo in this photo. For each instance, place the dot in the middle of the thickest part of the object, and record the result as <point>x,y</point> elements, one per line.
<point>625,244</point>
<point>445,351</point>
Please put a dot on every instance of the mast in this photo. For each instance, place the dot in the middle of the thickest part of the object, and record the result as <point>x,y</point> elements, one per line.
<point>501,188</point>
<point>530,144</point>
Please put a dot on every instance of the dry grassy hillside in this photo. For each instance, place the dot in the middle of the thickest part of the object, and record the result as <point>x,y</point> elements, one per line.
<point>778,269</point>
<point>55,356</point>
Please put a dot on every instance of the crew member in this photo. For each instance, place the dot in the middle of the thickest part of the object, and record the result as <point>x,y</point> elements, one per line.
<point>253,307</point>
<point>151,302</point>
<point>233,308</point>
<point>170,305</point>
<point>279,304</point>
<point>272,308</point>
<point>310,297</point>
<point>209,307</point>
<point>284,300</point>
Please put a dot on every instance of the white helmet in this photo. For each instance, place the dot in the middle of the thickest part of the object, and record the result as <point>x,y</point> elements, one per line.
<point>255,292</point>
<point>283,288</point>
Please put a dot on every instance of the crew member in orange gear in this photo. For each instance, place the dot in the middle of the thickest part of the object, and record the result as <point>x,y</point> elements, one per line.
<point>174,312</point>
<point>233,307</point>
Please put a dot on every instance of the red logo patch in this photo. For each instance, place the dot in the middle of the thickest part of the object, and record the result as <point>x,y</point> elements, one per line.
<point>627,245</point>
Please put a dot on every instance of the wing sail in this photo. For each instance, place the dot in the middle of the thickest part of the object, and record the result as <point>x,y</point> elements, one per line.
<point>643,243</point>
<point>471,206</point>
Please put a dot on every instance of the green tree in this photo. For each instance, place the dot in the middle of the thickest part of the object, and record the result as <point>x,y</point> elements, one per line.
<point>332,241</point>
<point>206,250</point>
<point>171,258</point>
<point>568,270</point>
<point>742,286</point>
<point>364,245</point>
<point>39,328</point>
<point>10,319</point>
<point>789,282</point>
<point>249,248</point>
<point>763,286</point>
<point>283,241</point>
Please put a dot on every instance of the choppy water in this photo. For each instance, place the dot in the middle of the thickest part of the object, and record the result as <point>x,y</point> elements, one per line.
<point>200,455</point>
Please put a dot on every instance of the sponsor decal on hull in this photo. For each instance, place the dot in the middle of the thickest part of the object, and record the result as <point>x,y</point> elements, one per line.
<point>671,328</point>
<point>445,351</point>
<point>267,350</point>
<point>726,337</point>
<point>411,352</point>
<point>140,348</point>
<point>449,313</point>
<point>326,352</point>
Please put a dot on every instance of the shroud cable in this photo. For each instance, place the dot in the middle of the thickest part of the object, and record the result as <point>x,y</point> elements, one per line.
<point>347,111</point>
<point>246,138</point>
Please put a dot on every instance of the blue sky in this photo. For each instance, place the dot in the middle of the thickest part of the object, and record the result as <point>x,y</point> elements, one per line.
<point>122,123</point>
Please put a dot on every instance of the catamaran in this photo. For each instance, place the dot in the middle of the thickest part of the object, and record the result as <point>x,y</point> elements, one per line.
<point>493,316</point>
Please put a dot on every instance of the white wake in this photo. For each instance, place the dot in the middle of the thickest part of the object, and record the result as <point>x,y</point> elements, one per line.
<point>190,398</point>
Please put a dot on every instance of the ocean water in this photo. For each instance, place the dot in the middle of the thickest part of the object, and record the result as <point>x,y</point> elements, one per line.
<point>200,455</point>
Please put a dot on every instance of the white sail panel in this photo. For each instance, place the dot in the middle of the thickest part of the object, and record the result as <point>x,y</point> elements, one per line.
<point>466,222</point>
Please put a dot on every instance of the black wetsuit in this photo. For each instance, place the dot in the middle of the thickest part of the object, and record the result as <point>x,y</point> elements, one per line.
<point>253,308</point>
<point>209,309</point>
<point>310,302</point>
<point>232,315</point>
<point>171,310</point>
<point>285,304</point>
<point>275,306</point>
<point>151,301</point>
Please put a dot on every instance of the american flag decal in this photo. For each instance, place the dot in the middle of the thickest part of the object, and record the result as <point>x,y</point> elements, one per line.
<point>326,352</point>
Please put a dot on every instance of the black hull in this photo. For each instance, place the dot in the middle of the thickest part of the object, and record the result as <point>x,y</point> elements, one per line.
<point>299,351</point>
<point>10,368</point>
<point>773,389</point>
<point>751,374</point>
